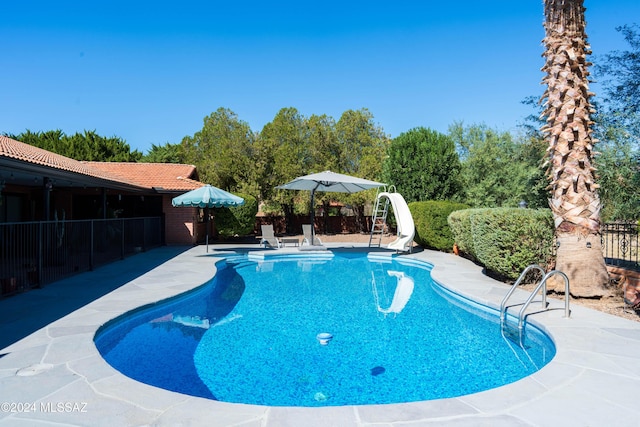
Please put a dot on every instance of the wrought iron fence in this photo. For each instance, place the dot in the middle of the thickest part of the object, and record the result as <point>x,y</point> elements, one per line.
<point>36,253</point>
<point>620,245</point>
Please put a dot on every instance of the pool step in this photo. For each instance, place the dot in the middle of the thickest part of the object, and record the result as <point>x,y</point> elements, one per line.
<point>238,261</point>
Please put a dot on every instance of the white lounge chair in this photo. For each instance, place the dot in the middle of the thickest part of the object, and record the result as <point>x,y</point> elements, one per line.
<point>268,237</point>
<point>309,239</point>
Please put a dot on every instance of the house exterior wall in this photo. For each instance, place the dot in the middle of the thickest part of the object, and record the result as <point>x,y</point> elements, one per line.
<point>179,223</point>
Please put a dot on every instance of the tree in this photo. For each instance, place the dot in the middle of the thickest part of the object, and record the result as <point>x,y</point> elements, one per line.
<point>87,146</point>
<point>292,145</point>
<point>423,165</point>
<point>323,142</point>
<point>619,76</point>
<point>167,153</point>
<point>574,202</point>
<point>618,126</point>
<point>222,150</point>
<point>363,146</point>
<point>498,170</point>
<point>619,175</point>
<point>282,153</point>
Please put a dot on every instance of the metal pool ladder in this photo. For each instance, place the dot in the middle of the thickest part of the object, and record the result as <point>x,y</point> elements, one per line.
<point>542,284</point>
<point>379,216</point>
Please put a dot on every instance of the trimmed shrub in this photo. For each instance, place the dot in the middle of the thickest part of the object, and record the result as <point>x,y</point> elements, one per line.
<point>239,220</point>
<point>460,225</point>
<point>505,240</point>
<point>432,229</point>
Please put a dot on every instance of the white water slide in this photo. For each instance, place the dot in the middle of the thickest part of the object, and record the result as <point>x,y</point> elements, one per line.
<point>404,221</point>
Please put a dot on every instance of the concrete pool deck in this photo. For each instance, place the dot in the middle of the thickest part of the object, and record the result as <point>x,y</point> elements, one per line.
<point>55,375</point>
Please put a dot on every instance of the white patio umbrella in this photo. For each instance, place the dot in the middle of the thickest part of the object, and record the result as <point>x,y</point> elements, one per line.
<point>207,196</point>
<point>330,182</point>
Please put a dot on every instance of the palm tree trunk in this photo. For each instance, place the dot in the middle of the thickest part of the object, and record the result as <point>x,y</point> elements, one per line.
<point>574,198</point>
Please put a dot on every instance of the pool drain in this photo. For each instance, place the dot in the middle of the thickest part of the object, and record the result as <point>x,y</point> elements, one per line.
<point>324,338</point>
<point>377,371</point>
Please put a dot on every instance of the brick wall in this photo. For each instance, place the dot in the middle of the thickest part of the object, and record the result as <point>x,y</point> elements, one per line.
<point>179,223</point>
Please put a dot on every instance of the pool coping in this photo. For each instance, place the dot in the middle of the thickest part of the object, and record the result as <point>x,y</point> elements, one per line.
<point>57,375</point>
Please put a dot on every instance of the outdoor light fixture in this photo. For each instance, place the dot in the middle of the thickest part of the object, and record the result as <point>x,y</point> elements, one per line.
<point>588,245</point>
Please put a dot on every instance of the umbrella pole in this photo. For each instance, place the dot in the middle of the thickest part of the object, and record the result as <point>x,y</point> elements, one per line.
<point>312,210</point>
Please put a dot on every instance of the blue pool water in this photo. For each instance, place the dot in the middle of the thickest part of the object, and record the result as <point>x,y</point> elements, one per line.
<point>250,336</point>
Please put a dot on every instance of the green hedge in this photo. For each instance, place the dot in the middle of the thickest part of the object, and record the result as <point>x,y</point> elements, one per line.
<point>504,240</point>
<point>237,221</point>
<point>432,229</point>
<point>460,225</point>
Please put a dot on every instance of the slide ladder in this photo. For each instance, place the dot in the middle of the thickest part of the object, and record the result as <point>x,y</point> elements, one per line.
<point>379,221</point>
<point>542,285</point>
<point>404,220</point>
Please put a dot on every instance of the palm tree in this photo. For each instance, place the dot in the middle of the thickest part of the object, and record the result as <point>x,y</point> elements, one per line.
<point>574,197</point>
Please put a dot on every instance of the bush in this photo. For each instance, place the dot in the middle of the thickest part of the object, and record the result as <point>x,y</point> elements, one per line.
<point>505,240</point>
<point>460,225</point>
<point>432,229</point>
<point>239,220</point>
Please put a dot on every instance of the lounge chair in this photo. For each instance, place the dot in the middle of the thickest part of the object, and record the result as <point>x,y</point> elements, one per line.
<point>306,231</point>
<point>268,238</point>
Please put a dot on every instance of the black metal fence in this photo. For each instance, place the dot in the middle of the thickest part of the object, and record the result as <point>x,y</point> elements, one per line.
<point>36,253</point>
<point>620,245</point>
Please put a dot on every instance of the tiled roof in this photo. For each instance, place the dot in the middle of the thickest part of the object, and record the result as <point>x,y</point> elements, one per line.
<point>162,176</point>
<point>27,153</point>
<point>165,176</point>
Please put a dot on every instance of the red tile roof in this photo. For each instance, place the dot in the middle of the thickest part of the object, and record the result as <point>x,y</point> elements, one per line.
<point>161,176</point>
<point>27,153</point>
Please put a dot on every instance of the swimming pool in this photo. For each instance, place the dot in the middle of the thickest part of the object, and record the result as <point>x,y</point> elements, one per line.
<point>250,335</point>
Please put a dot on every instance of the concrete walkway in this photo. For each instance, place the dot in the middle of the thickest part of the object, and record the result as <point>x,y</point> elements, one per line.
<point>53,374</point>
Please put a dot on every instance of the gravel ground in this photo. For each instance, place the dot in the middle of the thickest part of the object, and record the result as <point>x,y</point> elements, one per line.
<point>612,305</point>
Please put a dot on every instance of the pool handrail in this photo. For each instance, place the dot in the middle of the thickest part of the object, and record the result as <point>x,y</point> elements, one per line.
<point>503,307</point>
<point>543,282</point>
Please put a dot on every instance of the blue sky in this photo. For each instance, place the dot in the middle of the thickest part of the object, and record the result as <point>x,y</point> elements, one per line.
<point>149,72</point>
